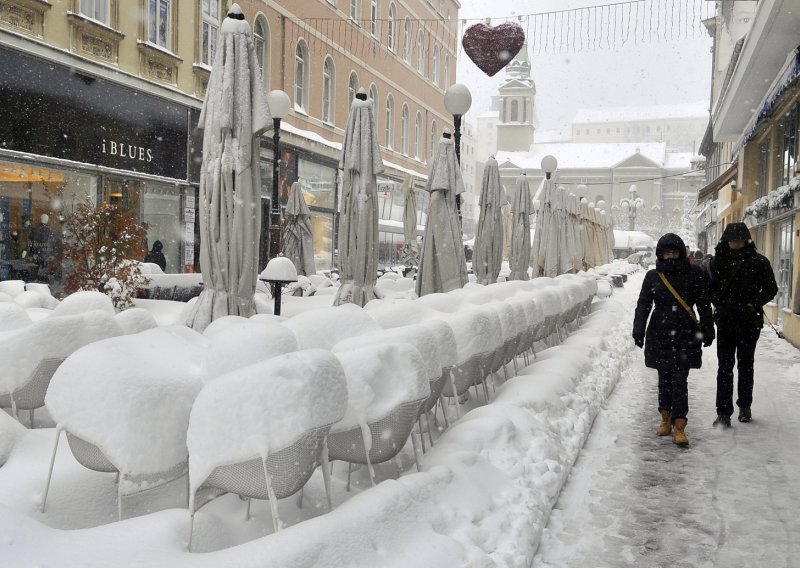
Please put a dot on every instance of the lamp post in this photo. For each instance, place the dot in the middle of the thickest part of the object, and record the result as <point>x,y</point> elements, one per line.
<point>457,100</point>
<point>279,104</point>
<point>549,165</point>
<point>632,205</point>
<point>279,271</point>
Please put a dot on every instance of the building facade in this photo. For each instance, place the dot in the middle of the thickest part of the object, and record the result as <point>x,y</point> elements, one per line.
<point>104,97</point>
<point>752,140</point>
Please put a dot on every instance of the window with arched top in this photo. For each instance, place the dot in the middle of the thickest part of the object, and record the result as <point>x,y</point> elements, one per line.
<point>514,117</point>
<point>418,151</point>
<point>355,8</point>
<point>301,75</point>
<point>373,18</point>
<point>434,138</point>
<point>373,94</point>
<point>407,41</point>
<point>261,45</point>
<point>328,89</point>
<point>404,130</point>
<point>391,28</point>
<point>421,51</point>
<point>446,78</point>
<point>389,122</point>
<point>352,87</point>
<point>435,66</point>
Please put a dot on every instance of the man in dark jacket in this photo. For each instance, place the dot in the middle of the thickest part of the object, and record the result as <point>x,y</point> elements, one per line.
<point>742,281</point>
<point>673,335</point>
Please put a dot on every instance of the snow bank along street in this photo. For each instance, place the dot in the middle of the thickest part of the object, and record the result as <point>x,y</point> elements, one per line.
<point>485,491</point>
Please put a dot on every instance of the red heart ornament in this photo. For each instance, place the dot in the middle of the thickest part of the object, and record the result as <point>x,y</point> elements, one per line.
<point>492,48</point>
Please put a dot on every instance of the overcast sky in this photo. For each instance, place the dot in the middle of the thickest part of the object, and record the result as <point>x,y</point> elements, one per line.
<point>637,73</point>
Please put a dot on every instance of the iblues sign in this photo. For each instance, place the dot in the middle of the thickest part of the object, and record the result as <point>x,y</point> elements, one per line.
<point>55,111</point>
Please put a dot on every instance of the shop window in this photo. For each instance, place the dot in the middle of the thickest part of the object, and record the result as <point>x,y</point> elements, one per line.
<point>97,10</point>
<point>159,23</point>
<point>391,28</point>
<point>328,88</point>
<point>162,213</point>
<point>782,264</point>
<point>319,184</point>
<point>322,239</point>
<point>261,44</point>
<point>763,168</point>
<point>33,199</point>
<point>789,155</point>
<point>209,30</point>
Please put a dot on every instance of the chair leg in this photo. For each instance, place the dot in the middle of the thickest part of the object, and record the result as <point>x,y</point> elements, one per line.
<point>444,413</point>
<point>50,472</point>
<point>349,471</point>
<point>247,516</point>
<point>191,530</point>
<point>455,393</point>
<point>119,501</point>
<point>30,414</point>
<point>415,450</point>
<point>430,428</point>
<point>421,437</point>
<point>326,478</point>
<point>300,498</point>
<point>273,502</point>
<point>505,370</point>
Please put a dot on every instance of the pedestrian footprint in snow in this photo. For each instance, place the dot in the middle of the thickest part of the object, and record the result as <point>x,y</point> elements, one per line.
<point>673,337</point>
<point>742,281</point>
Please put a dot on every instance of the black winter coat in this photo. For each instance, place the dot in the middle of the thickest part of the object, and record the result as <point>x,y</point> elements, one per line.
<point>741,282</point>
<point>672,339</point>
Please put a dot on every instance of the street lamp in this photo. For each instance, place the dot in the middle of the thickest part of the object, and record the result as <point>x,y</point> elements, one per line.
<point>632,205</point>
<point>279,104</point>
<point>457,100</point>
<point>279,271</point>
<point>549,165</point>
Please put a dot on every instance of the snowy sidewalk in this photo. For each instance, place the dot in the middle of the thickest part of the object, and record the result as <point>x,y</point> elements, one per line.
<point>730,500</point>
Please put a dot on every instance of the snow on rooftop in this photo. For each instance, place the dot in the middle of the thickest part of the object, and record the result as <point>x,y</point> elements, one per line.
<point>586,155</point>
<point>698,109</point>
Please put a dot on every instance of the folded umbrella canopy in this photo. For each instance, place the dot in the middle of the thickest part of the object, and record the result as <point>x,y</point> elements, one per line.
<point>296,240</point>
<point>410,249</point>
<point>358,229</point>
<point>235,112</point>
<point>520,256</point>
<point>487,256</point>
<point>442,266</point>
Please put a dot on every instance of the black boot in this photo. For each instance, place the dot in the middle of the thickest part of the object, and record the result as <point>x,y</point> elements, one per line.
<point>744,414</point>
<point>722,420</point>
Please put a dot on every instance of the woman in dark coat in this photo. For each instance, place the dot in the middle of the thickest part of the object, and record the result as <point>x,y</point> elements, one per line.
<point>156,256</point>
<point>672,341</point>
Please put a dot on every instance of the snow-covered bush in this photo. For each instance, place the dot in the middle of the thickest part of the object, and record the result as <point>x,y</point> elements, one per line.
<point>102,241</point>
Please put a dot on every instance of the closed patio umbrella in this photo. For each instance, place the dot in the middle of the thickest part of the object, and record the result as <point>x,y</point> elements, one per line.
<point>235,112</point>
<point>296,241</point>
<point>487,256</point>
<point>442,266</point>
<point>520,257</point>
<point>358,230</point>
<point>410,249</point>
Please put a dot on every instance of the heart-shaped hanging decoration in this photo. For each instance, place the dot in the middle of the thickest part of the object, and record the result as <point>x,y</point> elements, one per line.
<point>492,48</point>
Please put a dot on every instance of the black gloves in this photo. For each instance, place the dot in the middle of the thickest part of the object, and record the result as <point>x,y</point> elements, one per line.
<point>638,339</point>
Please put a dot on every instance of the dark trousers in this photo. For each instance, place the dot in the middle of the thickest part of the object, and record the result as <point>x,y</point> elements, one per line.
<point>673,392</point>
<point>735,345</point>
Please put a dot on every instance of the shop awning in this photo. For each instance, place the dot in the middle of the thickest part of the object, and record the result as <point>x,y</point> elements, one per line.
<point>726,177</point>
<point>18,173</point>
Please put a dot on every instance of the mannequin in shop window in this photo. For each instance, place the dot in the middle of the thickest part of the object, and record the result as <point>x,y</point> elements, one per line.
<point>23,239</point>
<point>45,247</point>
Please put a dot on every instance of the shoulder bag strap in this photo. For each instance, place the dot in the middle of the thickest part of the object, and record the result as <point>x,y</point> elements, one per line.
<point>672,290</point>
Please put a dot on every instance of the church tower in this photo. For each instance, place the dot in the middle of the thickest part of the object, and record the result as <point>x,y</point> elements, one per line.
<point>517,92</point>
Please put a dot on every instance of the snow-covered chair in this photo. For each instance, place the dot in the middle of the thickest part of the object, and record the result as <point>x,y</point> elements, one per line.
<point>324,327</point>
<point>386,386</point>
<point>260,431</point>
<point>241,342</point>
<point>39,348</point>
<point>124,404</point>
<point>423,339</point>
